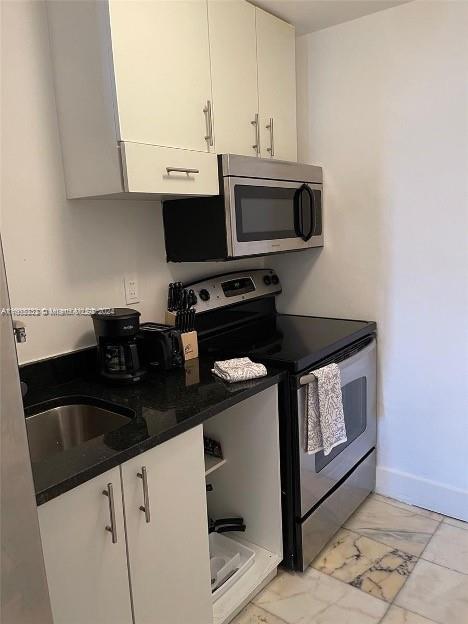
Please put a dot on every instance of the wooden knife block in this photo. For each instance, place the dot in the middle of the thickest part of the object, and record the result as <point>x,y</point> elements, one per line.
<point>189,339</point>
<point>189,345</point>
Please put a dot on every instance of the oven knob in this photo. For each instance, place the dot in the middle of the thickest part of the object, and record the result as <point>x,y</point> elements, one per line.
<point>275,279</point>
<point>267,280</point>
<point>204,294</point>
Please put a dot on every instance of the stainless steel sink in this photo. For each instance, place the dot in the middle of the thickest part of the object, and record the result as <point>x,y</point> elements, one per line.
<point>62,427</point>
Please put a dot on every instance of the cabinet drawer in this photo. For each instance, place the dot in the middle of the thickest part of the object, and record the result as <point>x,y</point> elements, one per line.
<point>325,521</point>
<point>168,171</point>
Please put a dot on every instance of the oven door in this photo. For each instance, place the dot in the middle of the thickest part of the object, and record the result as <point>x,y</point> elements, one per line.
<point>267,216</point>
<point>319,473</point>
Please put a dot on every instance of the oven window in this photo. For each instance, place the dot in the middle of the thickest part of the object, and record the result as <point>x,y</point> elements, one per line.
<point>264,212</point>
<point>355,413</point>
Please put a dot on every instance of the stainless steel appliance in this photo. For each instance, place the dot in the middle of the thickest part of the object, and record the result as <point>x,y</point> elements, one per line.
<point>236,315</point>
<point>24,592</point>
<point>264,206</point>
<point>332,486</point>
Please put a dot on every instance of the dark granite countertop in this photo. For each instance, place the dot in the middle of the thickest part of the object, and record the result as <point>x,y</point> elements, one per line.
<point>161,407</point>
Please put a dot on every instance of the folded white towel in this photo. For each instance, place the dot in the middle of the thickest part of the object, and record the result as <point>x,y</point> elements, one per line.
<point>238,369</point>
<point>324,422</point>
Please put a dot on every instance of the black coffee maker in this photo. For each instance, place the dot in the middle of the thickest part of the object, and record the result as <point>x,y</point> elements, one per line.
<point>116,334</point>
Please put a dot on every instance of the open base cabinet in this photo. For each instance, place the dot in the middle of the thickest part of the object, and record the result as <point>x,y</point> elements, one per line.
<point>248,485</point>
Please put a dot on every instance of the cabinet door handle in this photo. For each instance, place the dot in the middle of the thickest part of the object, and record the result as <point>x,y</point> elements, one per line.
<point>181,170</point>
<point>209,123</point>
<point>109,492</point>
<point>255,123</point>
<point>269,127</point>
<point>143,475</point>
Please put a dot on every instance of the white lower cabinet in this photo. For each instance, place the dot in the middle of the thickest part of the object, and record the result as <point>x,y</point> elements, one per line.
<point>141,555</point>
<point>168,540</point>
<point>88,570</point>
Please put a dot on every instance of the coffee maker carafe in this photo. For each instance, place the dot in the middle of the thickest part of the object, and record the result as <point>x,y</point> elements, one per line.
<point>116,333</point>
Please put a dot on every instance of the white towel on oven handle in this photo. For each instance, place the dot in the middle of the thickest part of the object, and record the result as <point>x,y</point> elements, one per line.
<point>325,425</point>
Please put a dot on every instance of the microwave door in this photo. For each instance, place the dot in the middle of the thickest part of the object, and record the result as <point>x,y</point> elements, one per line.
<point>268,216</point>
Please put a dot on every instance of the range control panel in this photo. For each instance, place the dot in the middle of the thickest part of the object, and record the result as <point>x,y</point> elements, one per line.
<point>223,290</point>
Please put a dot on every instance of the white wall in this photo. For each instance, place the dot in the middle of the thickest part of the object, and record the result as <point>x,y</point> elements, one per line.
<point>383,106</point>
<point>61,253</point>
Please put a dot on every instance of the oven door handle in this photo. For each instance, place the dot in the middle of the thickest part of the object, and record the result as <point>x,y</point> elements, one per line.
<point>343,364</point>
<point>299,212</point>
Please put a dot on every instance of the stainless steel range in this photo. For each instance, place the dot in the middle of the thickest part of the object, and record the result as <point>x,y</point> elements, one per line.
<point>236,315</point>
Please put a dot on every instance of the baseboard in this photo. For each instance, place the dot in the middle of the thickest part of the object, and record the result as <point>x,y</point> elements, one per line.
<point>421,492</point>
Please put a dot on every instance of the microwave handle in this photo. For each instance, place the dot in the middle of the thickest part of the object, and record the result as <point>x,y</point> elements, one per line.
<point>298,212</point>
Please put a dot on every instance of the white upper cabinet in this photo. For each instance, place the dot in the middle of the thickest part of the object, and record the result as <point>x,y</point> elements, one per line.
<point>161,63</point>
<point>253,75</point>
<point>166,75</point>
<point>276,87</point>
<point>233,50</point>
<point>133,72</point>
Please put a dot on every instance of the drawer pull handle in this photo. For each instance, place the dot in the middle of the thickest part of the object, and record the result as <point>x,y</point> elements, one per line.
<point>143,475</point>
<point>112,528</point>
<point>181,170</point>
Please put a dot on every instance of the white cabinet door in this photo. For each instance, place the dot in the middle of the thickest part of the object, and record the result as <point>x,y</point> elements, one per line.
<point>161,65</point>
<point>168,541</point>
<point>233,49</point>
<point>276,87</point>
<point>86,572</point>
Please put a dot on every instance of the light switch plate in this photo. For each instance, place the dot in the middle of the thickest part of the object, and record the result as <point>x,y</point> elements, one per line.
<point>131,288</point>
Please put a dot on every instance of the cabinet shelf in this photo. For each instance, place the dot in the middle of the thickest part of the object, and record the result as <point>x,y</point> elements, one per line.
<point>236,597</point>
<point>212,464</point>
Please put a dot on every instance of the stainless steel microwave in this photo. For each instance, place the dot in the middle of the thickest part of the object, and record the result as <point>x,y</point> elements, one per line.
<point>264,206</point>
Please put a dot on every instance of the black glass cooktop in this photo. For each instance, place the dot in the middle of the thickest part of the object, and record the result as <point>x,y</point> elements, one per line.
<point>291,342</point>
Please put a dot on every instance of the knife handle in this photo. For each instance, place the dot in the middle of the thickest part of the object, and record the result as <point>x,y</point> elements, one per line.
<point>192,300</point>
<point>170,297</point>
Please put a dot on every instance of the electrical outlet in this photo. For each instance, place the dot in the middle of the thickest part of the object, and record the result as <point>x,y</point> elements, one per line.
<point>131,289</point>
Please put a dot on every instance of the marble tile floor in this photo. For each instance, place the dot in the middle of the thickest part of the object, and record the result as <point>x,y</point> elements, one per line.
<point>391,563</point>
